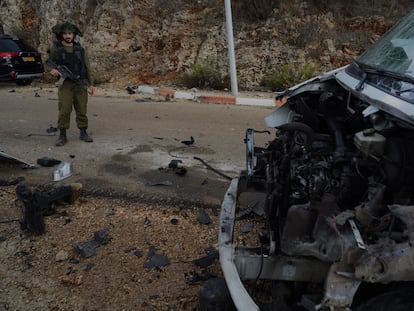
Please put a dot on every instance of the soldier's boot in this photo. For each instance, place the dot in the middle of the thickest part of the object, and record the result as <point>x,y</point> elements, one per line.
<point>62,140</point>
<point>84,136</point>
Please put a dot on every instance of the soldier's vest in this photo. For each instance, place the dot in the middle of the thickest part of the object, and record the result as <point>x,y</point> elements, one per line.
<point>75,61</point>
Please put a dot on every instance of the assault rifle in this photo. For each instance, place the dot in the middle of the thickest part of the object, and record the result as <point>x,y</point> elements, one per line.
<point>65,72</point>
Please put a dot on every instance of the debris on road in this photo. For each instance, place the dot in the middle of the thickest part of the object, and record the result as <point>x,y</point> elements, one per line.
<point>203,217</point>
<point>12,182</point>
<point>130,90</point>
<point>174,163</point>
<point>194,277</point>
<point>48,162</point>
<point>51,129</point>
<point>188,142</point>
<point>63,171</point>
<point>37,203</point>
<point>155,260</point>
<point>6,156</point>
<point>178,169</point>
<point>205,261</point>
<point>246,228</point>
<point>88,248</point>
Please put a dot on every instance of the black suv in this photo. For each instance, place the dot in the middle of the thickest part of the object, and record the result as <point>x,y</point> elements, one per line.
<point>19,62</point>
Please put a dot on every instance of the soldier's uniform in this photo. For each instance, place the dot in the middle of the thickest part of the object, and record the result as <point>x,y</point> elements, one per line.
<point>72,93</point>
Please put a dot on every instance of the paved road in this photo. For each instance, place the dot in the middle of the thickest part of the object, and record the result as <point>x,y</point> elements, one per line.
<point>135,138</point>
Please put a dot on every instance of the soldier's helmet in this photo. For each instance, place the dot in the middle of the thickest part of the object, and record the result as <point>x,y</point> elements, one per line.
<point>65,27</point>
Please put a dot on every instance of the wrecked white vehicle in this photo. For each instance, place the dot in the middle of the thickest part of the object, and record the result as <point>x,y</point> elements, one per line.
<point>337,185</point>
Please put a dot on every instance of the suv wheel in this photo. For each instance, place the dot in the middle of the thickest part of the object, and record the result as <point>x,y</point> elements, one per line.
<point>24,82</point>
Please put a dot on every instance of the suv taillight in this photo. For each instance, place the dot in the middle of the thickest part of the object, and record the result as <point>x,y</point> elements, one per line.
<point>8,54</point>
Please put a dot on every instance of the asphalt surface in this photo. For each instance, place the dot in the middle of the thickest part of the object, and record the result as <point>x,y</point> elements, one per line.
<point>136,136</point>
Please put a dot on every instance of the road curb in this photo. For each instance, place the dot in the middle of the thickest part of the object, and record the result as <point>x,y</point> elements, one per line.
<point>211,99</point>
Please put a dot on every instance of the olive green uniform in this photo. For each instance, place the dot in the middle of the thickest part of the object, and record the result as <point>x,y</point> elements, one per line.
<point>72,94</point>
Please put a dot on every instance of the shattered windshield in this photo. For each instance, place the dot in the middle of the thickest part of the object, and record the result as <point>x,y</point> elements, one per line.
<point>394,52</point>
<point>389,63</point>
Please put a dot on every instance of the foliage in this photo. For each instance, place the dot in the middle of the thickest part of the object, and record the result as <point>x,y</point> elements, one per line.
<point>202,75</point>
<point>290,74</point>
<point>253,10</point>
<point>100,77</point>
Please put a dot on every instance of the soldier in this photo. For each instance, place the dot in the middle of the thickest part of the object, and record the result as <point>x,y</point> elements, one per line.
<point>68,52</point>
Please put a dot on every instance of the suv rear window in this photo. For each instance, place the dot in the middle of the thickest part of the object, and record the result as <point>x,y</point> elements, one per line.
<point>14,45</point>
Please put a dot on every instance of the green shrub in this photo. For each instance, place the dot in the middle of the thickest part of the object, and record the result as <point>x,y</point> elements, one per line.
<point>100,77</point>
<point>202,75</point>
<point>290,74</point>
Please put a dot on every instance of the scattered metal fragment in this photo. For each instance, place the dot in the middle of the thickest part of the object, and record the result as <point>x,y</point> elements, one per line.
<point>194,277</point>
<point>51,129</point>
<point>37,203</point>
<point>155,260</point>
<point>88,248</point>
<point>188,142</point>
<point>130,90</point>
<point>175,166</point>
<point>246,228</point>
<point>203,217</point>
<point>63,171</point>
<point>181,171</point>
<point>207,260</point>
<point>174,163</point>
<point>12,182</point>
<point>48,162</point>
<point>102,236</point>
<point>14,159</point>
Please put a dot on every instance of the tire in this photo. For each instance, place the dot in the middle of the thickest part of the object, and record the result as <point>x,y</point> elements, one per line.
<point>398,300</point>
<point>24,82</point>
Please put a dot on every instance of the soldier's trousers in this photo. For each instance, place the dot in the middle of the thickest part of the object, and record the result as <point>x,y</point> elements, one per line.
<point>72,95</point>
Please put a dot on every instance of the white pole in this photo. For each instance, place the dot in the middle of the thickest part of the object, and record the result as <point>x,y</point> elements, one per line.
<point>229,27</point>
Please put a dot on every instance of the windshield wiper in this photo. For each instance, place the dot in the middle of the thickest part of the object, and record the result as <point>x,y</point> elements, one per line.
<point>404,91</point>
<point>360,85</point>
<point>367,69</point>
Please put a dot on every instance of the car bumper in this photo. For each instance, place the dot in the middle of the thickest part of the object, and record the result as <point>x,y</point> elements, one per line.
<point>250,263</point>
<point>8,73</point>
<point>24,76</point>
<point>227,251</point>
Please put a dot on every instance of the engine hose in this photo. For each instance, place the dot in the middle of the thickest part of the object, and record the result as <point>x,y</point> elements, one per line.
<point>338,135</point>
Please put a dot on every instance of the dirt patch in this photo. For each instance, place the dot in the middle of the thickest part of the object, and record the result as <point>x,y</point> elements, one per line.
<point>45,272</point>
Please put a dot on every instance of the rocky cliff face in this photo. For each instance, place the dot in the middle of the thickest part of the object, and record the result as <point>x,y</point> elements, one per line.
<point>151,41</point>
